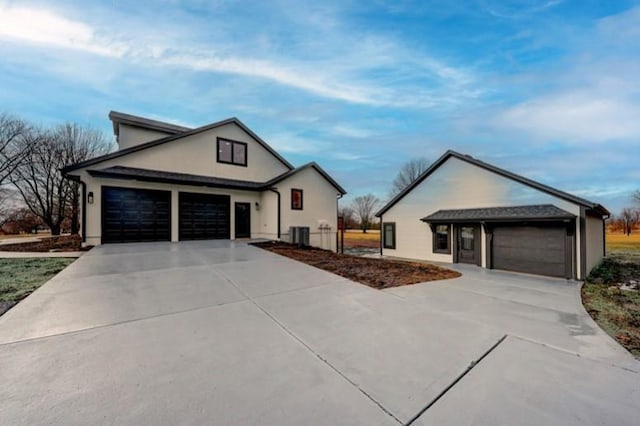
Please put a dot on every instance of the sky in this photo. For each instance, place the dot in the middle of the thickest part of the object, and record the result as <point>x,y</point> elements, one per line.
<point>548,89</point>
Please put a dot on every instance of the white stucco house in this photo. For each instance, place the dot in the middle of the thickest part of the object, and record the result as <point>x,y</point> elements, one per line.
<point>462,210</point>
<point>219,181</point>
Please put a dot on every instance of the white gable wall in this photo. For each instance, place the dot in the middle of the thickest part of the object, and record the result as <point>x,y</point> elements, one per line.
<point>197,154</point>
<point>320,205</point>
<point>457,184</point>
<point>595,242</point>
<point>129,136</point>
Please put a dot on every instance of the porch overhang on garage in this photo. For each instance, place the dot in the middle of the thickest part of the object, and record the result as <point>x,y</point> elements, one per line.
<point>537,239</point>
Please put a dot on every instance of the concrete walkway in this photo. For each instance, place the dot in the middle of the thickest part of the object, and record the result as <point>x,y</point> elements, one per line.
<point>218,332</point>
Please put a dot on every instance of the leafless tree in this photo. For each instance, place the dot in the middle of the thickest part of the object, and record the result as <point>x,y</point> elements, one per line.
<point>364,206</point>
<point>45,191</point>
<point>349,216</point>
<point>629,217</point>
<point>636,196</point>
<point>12,152</point>
<point>408,173</point>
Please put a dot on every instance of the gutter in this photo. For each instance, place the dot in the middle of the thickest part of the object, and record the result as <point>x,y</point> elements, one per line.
<point>278,194</point>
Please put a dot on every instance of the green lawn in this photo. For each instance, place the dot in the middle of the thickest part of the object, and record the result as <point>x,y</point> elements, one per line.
<point>20,277</point>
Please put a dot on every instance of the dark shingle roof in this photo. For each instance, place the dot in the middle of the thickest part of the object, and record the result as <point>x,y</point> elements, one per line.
<point>595,207</point>
<point>539,212</point>
<point>147,175</point>
<point>120,172</point>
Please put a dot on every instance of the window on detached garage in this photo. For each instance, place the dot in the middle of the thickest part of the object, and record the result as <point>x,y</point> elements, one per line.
<point>389,235</point>
<point>442,239</point>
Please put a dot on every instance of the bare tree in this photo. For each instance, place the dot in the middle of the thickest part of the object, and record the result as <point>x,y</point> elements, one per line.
<point>45,191</point>
<point>364,207</point>
<point>349,216</point>
<point>12,148</point>
<point>636,196</point>
<point>630,218</point>
<point>408,173</point>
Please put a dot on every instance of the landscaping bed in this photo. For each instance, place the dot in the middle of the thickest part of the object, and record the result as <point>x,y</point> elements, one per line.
<point>611,295</point>
<point>21,277</point>
<point>376,273</point>
<point>46,244</point>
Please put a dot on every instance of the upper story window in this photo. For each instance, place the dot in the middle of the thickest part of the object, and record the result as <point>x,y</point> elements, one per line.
<point>296,199</point>
<point>232,152</point>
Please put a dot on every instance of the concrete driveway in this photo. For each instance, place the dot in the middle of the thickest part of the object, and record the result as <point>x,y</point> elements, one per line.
<point>224,333</point>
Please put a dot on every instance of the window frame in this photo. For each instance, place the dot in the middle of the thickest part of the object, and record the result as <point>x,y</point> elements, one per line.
<point>434,238</point>
<point>301,191</point>
<point>233,144</point>
<point>385,244</point>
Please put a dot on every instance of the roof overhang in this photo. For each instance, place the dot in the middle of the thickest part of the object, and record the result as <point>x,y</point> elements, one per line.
<point>510,214</point>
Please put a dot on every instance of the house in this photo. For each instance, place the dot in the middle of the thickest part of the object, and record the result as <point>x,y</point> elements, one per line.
<point>462,210</point>
<point>219,181</point>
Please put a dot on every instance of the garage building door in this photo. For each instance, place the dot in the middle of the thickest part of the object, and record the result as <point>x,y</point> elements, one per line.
<point>538,250</point>
<point>135,215</point>
<point>204,216</point>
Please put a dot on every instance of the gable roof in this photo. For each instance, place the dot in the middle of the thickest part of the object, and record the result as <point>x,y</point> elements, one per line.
<point>313,165</point>
<point>597,208</point>
<point>147,145</point>
<point>146,123</point>
<point>538,212</point>
<point>147,175</point>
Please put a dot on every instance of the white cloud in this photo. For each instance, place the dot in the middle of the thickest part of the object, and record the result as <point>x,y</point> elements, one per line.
<point>45,27</point>
<point>578,116</point>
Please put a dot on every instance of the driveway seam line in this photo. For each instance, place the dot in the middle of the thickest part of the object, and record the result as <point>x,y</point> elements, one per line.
<point>455,381</point>
<point>317,355</point>
<point>82,330</point>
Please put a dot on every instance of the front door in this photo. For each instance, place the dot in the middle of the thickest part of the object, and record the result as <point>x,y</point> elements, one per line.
<point>468,244</point>
<point>243,220</point>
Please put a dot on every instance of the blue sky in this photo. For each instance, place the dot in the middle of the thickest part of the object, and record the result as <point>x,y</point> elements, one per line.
<point>544,88</point>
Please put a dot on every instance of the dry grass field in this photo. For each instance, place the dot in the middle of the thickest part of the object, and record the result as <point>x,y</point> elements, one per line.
<point>354,238</point>
<point>622,242</point>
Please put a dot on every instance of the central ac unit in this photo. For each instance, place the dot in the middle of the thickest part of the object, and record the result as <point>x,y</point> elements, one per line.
<point>299,235</point>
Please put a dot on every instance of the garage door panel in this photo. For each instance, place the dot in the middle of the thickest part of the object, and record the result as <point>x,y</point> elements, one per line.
<point>531,249</point>
<point>204,216</point>
<point>135,215</point>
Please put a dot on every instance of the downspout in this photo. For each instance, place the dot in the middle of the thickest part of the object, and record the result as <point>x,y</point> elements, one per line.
<point>604,234</point>
<point>278,194</point>
<point>381,235</point>
<point>339,196</point>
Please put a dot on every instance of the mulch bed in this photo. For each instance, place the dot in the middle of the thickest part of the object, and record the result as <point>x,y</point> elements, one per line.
<point>376,273</point>
<point>46,244</point>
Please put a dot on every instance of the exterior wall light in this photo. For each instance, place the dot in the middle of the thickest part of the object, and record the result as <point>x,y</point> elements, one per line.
<point>90,198</point>
<point>257,206</point>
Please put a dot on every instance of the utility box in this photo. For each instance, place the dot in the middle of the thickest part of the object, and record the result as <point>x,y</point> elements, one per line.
<point>299,235</point>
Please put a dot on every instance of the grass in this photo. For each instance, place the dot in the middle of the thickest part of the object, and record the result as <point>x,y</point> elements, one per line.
<point>621,242</point>
<point>617,311</point>
<point>20,277</point>
<point>355,238</point>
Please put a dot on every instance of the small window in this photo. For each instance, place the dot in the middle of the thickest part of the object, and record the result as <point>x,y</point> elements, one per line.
<point>296,199</point>
<point>232,152</point>
<point>442,239</point>
<point>389,235</point>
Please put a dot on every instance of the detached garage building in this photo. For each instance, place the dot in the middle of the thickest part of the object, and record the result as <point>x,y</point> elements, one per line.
<point>462,210</point>
<point>219,181</point>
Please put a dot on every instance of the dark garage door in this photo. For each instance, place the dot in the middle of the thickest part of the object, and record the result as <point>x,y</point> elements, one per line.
<point>135,215</point>
<point>538,250</point>
<point>204,216</point>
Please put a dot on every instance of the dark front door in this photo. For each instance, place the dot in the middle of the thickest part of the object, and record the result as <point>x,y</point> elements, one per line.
<point>135,215</point>
<point>204,216</point>
<point>468,244</point>
<point>243,220</point>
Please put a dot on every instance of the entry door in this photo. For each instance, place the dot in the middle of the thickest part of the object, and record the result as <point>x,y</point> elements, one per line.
<point>243,220</point>
<point>468,242</point>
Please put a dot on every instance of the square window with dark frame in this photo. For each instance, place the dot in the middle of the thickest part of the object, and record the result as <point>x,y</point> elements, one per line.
<point>441,239</point>
<point>296,199</point>
<point>389,235</point>
<point>232,152</point>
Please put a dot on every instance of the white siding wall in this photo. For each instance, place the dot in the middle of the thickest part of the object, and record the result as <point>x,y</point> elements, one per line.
<point>457,184</point>
<point>131,136</point>
<point>320,205</point>
<point>595,243</point>
<point>196,155</point>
